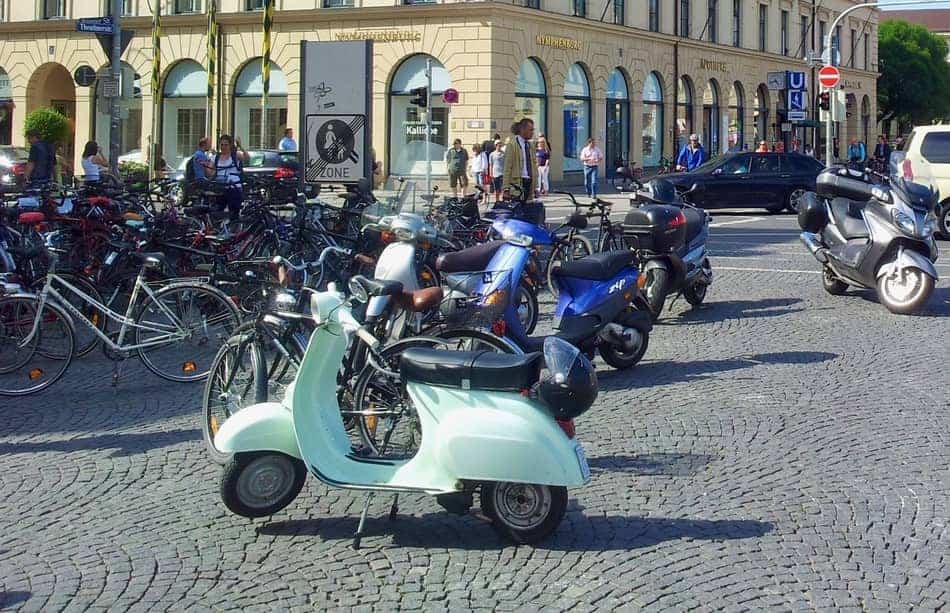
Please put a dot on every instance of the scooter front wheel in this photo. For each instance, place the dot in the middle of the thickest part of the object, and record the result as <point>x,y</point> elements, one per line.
<point>261,483</point>
<point>906,291</point>
<point>524,513</point>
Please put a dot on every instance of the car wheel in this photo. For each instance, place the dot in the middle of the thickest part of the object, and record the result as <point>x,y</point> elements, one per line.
<point>943,221</point>
<point>794,199</point>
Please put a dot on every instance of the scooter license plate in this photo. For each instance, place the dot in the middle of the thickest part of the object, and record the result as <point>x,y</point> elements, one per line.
<point>582,461</point>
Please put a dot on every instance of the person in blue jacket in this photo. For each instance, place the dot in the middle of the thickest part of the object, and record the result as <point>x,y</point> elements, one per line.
<point>691,156</point>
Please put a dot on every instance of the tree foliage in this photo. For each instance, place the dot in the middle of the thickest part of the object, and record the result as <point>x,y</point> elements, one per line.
<point>50,123</point>
<point>914,85</point>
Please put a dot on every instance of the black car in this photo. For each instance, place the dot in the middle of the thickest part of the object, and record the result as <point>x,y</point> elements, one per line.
<point>773,181</point>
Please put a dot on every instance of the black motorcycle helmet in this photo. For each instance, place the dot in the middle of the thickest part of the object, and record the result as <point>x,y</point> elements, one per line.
<point>660,191</point>
<point>568,385</point>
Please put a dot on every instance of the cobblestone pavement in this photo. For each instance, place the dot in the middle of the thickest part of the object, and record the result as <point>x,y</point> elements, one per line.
<point>778,448</point>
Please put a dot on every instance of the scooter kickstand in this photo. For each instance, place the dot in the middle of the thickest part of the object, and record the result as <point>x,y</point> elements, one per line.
<point>359,528</point>
<point>393,510</point>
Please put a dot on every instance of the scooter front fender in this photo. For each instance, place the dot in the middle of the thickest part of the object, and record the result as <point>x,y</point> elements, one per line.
<point>268,426</point>
<point>907,258</point>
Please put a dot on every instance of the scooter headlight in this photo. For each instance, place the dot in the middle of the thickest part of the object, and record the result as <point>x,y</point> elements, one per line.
<point>905,222</point>
<point>930,225</point>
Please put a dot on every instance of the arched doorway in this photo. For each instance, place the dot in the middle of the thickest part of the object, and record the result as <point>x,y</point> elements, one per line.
<point>576,114</point>
<point>260,127</point>
<point>6,109</point>
<point>407,137</point>
<point>736,117</point>
<point>617,145</point>
<point>652,130</point>
<point>865,120</point>
<point>184,113</point>
<point>531,95</point>
<point>761,114</point>
<point>711,129</point>
<point>51,85</point>
<point>684,112</point>
<point>130,112</point>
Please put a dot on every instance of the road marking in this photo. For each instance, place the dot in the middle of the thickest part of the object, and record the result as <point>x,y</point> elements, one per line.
<point>735,222</point>
<point>802,272</point>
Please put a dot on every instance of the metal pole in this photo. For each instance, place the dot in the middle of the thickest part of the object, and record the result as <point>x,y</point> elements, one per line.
<point>114,104</point>
<point>429,127</point>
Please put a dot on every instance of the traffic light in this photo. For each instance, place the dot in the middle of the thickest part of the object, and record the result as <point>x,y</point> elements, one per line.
<point>420,97</point>
<point>824,101</point>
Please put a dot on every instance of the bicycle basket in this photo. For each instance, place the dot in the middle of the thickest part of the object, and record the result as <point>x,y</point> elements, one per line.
<point>476,299</point>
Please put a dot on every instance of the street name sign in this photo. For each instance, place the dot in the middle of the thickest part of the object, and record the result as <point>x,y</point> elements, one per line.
<point>829,76</point>
<point>96,25</point>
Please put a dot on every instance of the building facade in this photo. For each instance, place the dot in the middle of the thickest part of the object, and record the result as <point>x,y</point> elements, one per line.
<point>639,75</point>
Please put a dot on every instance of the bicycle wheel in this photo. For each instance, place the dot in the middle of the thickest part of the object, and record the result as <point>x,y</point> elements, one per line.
<point>31,362</point>
<point>86,339</point>
<point>184,325</point>
<point>612,240</point>
<point>578,247</point>
<point>237,380</point>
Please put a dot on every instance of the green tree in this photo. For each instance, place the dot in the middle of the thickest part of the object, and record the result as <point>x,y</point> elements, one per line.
<point>50,123</point>
<point>914,86</point>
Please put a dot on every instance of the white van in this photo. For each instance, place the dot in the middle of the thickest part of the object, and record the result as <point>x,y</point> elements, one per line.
<point>928,147</point>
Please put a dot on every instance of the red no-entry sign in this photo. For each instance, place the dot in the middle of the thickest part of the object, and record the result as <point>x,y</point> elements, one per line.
<point>829,76</point>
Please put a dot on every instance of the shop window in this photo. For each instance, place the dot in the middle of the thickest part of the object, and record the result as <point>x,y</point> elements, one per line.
<point>616,147</point>
<point>531,98</point>
<point>654,15</point>
<point>761,114</point>
<point>54,9</point>
<point>712,20</point>
<point>580,8</point>
<point>255,5</point>
<point>684,18</point>
<point>272,128</point>
<point>736,118</point>
<point>651,147</point>
<point>407,131</point>
<point>711,118</point>
<point>576,116</point>
<point>620,9</point>
<point>684,111</point>
<point>187,6</point>
<point>736,23</point>
<point>183,111</point>
<point>260,129</point>
<point>337,4</point>
<point>189,128</point>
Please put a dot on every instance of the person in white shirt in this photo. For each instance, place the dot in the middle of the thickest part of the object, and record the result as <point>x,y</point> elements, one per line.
<point>497,163</point>
<point>93,163</point>
<point>287,143</point>
<point>478,165</point>
<point>591,157</point>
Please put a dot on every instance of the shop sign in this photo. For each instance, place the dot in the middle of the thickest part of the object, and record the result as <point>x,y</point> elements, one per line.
<point>382,36</point>
<point>558,42</point>
<point>711,65</point>
<point>335,115</point>
<point>848,84</point>
<point>419,129</point>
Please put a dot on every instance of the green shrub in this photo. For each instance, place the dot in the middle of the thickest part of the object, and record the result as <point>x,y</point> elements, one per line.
<point>134,171</point>
<point>52,126</point>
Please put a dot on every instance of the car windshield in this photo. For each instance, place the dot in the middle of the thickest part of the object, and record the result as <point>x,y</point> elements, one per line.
<point>14,153</point>
<point>708,166</point>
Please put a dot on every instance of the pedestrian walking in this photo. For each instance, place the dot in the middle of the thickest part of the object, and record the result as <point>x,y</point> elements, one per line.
<point>691,156</point>
<point>42,160</point>
<point>479,165</point>
<point>882,153</point>
<point>591,157</point>
<point>456,162</point>
<point>857,152</point>
<point>544,165</point>
<point>521,166</point>
<point>287,143</point>
<point>496,164</point>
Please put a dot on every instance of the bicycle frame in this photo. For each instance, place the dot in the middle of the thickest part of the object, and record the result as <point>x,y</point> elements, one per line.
<point>125,321</point>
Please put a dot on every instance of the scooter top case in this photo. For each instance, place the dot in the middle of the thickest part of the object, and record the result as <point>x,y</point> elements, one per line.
<point>655,228</point>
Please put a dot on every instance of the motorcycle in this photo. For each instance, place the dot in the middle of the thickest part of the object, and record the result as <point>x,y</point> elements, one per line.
<point>668,235</point>
<point>599,306</point>
<point>491,423</point>
<point>875,232</point>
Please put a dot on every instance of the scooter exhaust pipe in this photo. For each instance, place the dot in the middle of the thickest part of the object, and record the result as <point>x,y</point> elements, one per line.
<point>615,334</point>
<point>813,243</point>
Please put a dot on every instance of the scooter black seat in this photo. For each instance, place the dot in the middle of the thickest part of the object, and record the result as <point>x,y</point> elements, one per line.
<point>378,287</point>
<point>477,370</point>
<point>695,222</point>
<point>597,267</point>
<point>153,259</point>
<point>470,259</point>
<point>847,214</point>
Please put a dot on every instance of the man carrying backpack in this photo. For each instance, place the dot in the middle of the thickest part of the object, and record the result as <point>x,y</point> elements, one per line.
<point>199,168</point>
<point>228,169</point>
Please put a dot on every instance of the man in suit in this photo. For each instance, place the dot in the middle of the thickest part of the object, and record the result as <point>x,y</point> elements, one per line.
<point>521,163</point>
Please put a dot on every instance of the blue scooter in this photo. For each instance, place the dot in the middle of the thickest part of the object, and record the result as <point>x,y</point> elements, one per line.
<point>600,305</point>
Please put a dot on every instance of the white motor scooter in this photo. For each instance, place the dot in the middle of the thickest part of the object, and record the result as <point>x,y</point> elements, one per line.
<point>491,422</point>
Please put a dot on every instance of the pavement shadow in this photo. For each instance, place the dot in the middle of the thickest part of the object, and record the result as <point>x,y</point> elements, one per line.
<point>734,309</point>
<point>578,532</point>
<point>937,306</point>
<point>13,597</point>
<point>650,374</point>
<point>122,444</point>
<point>650,464</point>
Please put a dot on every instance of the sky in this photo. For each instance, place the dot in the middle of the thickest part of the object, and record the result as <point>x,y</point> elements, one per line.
<point>927,4</point>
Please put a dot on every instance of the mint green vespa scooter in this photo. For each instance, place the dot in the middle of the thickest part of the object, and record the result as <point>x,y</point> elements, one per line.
<point>492,423</point>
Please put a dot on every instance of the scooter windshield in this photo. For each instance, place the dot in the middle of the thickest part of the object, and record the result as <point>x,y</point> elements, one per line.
<point>913,183</point>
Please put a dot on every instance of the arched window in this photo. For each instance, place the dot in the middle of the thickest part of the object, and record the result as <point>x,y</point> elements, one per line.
<point>130,108</point>
<point>576,116</point>
<point>531,95</point>
<point>652,131</point>
<point>407,150</point>
<point>761,114</point>
<point>260,127</point>
<point>617,147</point>
<point>184,116</point>
<point>865,119</point>
<point>736,117</point>
<point>6,109</point>
<point>684,111</point>
<point>711,118</point>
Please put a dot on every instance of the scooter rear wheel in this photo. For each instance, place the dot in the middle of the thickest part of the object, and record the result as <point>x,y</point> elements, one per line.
<point>261,483</point>
<point>832,284</point>
<point>524,513</point>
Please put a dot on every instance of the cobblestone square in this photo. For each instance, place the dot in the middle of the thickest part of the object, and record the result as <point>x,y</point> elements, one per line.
<point>778,448</point>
